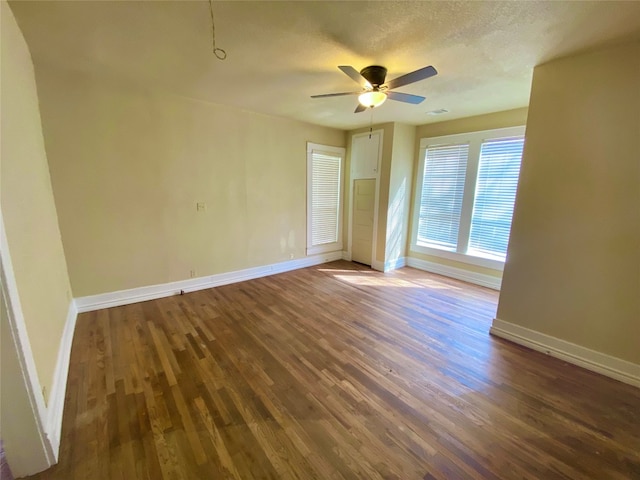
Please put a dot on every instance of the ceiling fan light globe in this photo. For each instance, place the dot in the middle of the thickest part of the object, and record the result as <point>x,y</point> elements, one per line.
<point>372,99</point>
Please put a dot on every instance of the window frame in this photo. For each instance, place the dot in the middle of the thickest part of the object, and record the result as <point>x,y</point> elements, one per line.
<point>475,140</point>
<point>339,152</point>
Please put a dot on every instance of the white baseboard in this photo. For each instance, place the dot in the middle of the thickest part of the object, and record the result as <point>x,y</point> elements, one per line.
<point>55,405</point>
<point>346,255</point>
<point>453,272</point>
<point>604,364</point>
<point>142,294</point>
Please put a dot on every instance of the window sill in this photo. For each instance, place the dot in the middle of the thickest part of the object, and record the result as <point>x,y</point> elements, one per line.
<point>327,247</point>
<point>459,257</point>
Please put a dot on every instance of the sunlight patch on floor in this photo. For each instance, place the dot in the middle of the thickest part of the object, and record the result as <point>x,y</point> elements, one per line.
<point>375,278</point>
<point>427,283</point>
<point>332,270</point>
<point>375,281</point>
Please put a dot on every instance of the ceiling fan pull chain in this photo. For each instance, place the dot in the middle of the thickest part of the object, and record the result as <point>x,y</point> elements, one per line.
<point>371,123</point>
<point>218,52</point>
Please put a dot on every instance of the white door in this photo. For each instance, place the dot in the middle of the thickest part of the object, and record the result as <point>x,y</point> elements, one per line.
<point>366,151</point>
<point>364,194</point>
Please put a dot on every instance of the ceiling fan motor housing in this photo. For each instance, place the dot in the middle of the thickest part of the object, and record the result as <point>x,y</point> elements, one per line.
<point>375,74</point>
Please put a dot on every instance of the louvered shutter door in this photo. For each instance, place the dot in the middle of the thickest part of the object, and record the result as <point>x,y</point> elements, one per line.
<point>442,190</point>
<point>495,196</point>
<point>325,198</point>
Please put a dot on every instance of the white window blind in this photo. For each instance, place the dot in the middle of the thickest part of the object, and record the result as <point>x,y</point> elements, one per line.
<point>495,196</point>
<point>443,183</point>
<point>325,198</point>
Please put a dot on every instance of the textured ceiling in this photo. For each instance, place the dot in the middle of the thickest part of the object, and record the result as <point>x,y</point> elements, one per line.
<point>280,53</point>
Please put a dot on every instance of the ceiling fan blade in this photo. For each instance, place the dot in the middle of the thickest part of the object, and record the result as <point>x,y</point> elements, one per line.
<point>412,77</point>
<point>360,108</point>
<point>335,94</point>
<point>405,97</point>
<point>355,76</point>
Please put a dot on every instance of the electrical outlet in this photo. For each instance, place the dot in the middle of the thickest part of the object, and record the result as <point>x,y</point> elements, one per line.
<point>291,256</point>
<point>192,273</point>
<point>201,206</point>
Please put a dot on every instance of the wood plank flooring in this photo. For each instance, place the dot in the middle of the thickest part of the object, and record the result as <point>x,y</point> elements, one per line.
<point>333,372</point>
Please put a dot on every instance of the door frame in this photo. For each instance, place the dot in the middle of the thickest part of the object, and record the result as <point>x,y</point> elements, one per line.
<point>380,134</point>
<point>41,451</point>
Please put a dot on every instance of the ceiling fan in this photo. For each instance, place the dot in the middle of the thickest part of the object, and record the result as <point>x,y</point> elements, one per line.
<point>374,89</point>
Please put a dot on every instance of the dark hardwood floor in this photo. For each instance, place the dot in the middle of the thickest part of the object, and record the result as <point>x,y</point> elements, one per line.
<point>331,372</point>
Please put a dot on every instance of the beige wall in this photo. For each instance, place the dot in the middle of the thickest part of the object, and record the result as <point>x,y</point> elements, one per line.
<point>400,192</point>
<point>574,256</point>
<point>508,118</point>
<point>490,121</point>
<point>27,204</point>
<point>129,164</point>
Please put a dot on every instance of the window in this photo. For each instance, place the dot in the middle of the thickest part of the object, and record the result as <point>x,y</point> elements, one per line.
<point>324,198</point>
<point>495,196</point>
<point>467,190</point>
<point>443,177</point>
